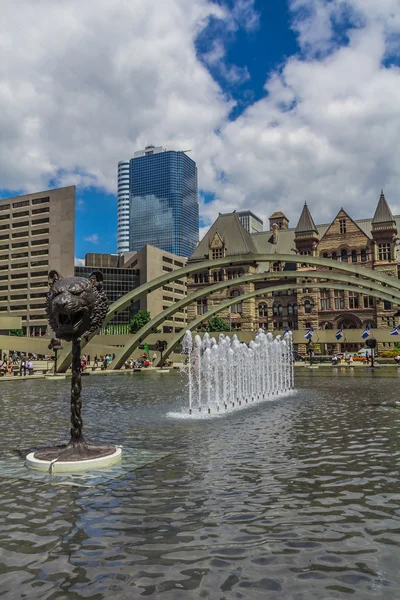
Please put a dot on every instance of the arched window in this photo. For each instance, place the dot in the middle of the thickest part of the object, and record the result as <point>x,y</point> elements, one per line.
<point>206,277</point>
<point>262,310</point>
<point>289,309</point>
<point>215,276</point>
<point>343,255</point>
<point>237,307</point>
<point>280,309</point>
<point>275,309</point>
<point>240,273</point>
<point>354,256</point>
<point>229,274</point>
<point>363,255</point>
<point>201,278</point>
<point>221,275</point>
<point>235,274</point>
<point>196,278</point>
<point>295,309</point>
<point>325,255</point>
<point>334,256</point>
<point>276,266</point>
<point>307,306</point>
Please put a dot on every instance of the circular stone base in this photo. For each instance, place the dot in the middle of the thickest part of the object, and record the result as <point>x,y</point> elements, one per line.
<point>70,466</point>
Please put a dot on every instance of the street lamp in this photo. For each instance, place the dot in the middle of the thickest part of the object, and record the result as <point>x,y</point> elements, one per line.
<point>55,344</point>
<point>161,345</point>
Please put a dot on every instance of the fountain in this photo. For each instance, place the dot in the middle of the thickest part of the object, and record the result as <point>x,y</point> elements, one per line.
<point>228,375</point>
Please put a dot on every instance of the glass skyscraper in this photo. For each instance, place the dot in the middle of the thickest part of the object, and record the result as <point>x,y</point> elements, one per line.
<point>164,207</point>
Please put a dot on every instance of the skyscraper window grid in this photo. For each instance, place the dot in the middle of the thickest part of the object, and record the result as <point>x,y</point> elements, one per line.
<point>123,207</point>
<point>164,202</point>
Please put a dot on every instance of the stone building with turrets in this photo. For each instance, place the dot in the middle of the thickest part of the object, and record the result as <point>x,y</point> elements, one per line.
<point>367,242</point>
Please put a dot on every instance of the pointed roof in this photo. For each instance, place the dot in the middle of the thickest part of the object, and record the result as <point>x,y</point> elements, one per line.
<point>306,222</point>
<point>383,214</point>
<point>236,238</point>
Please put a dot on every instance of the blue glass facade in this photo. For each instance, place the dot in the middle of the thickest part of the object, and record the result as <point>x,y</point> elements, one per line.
<point>164,207</point>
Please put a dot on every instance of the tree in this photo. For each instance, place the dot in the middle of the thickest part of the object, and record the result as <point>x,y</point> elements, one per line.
<point>139,320</point>
<point>218,324</point>
<point>17,332</point>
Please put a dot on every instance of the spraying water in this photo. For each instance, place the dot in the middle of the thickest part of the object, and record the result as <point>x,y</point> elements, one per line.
<point>227,375</point>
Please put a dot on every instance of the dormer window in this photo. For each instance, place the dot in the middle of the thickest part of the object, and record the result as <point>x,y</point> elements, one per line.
<point>217,253</point>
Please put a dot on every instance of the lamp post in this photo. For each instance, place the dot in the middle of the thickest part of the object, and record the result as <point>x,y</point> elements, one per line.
<point>310,351</point>
<point>371,344</point>
<point>161,346</point>
<point>55,344</point>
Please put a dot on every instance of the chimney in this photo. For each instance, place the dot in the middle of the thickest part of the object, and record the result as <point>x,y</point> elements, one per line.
<point>275,230</point>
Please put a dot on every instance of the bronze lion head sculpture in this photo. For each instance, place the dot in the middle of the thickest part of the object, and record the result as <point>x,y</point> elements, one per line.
<point>75,306</point>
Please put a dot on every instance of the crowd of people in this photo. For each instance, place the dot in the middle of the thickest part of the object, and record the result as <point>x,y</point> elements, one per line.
<point>20,363</point>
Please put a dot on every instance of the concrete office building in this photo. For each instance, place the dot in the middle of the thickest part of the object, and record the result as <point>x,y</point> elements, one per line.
<point>250,221</point>
<point>123,273</point>
<point>37,234</point>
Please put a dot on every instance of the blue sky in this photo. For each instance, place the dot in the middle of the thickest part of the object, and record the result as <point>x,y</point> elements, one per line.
<point>280,101</point>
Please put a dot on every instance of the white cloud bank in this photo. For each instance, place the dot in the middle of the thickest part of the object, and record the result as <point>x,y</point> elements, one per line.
<point>85,84</point>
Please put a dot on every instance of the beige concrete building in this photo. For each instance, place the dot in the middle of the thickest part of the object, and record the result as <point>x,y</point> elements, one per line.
<point>367,242</point>
<point>37,234</point>
<point>125,272</point>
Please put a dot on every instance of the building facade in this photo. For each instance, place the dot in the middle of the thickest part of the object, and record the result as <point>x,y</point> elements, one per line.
<point>250,221</point>
<point>367,242</point>
<point>164,208</point>
<point>125,272</point>
<point>37,234</point>
<point>123,207</point>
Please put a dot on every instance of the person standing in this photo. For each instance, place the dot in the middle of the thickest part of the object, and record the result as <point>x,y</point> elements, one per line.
<point>96,361</point>
<point>154,357</point>
<point>88,360</point>
<point>22,365</point>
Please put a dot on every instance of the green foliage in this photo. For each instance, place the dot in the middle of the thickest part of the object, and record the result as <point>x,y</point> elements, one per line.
<point>17,332</point>
<point>218,324</point>
<point>139,320</point>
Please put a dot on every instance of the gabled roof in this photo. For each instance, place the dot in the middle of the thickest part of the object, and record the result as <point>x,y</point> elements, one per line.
<point>342,213</point>
<point>306,222</point>
<point>383,214</point>
<point>236,238</point>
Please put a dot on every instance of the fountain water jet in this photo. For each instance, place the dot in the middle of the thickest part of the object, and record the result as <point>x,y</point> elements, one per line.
<point>227,375</point>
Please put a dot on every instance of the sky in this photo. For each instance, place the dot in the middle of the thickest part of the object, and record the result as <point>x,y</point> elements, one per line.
<point>280,102</point>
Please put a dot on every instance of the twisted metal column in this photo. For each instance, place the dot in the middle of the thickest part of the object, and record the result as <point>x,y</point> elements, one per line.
<point>76,400</point>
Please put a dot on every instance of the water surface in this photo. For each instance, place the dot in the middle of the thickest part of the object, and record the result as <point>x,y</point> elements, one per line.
<point>297,498</point>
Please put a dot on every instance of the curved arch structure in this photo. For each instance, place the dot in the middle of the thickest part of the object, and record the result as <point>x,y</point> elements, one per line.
<point>124,353</point>
<point>242,259</point>
<point>279,288</point>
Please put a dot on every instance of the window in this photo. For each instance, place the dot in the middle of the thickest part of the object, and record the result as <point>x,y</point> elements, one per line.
<point>38,242</point>
<point>343,255</point>
<point>19,255</point>
<point>22,203</point>
<point>167,260</point>
<point>342,225</point>
<point>339,299</point>
<point>384,252</point>
<point>39,221</point>
<point>308,324</point>
<point>295,309</point>
<point>307,306</point>
<point>325,255</point>
<point>217,253</point>
<point>363,255</point>
<point>19,265</point>
<point>237,307</point>
<point>39,252</point>
<point>387,305</point>
<point>23,213</point>
<point>202,306</point>
<point>39,211</point>
<point>354,300</point>
<point>325,300</point>
<point>21,224</point>
<point>4,206</point>
<point>38,263</point>
<point>280,309</point>
<point>262,310</point>
<point>368,301</point>
<point>275,309</point>
<point>290,309</point>
<point>276,266</point>
<point>353,256</point>
<point>41,200</point>
<point>334,256</point>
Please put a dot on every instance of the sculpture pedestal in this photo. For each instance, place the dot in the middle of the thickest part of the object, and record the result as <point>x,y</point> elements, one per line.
<point>57,460</point>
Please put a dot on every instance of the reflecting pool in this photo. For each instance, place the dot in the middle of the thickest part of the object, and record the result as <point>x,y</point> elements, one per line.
<point>296,498</point>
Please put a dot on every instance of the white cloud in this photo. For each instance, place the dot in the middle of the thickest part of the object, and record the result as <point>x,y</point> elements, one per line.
<point>92,239</point>
<point>86,84</point>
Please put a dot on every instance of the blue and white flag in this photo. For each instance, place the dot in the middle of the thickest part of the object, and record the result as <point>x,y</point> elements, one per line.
<point>287,330</point>
<point>366,333</point>
<point>396,331</point>
<point>309,333</point>
<point>339,334</point>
